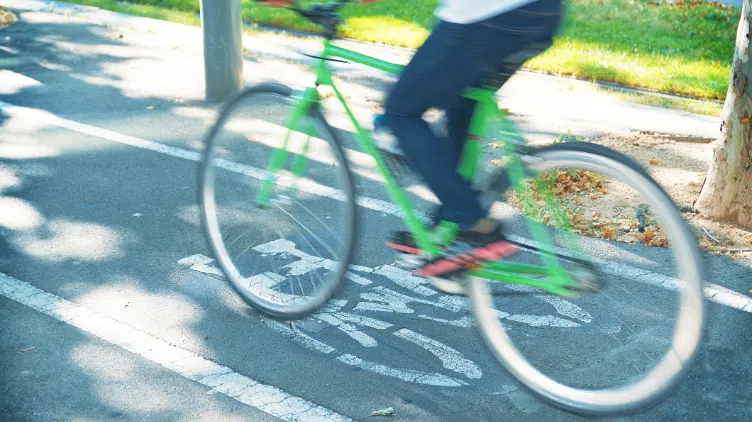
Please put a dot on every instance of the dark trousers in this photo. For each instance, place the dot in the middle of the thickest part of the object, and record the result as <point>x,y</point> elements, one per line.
<point>454,57</point>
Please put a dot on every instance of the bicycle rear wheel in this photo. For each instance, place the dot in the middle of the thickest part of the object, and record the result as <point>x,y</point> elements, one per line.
<point>277,202</point>
<point>631,313</point>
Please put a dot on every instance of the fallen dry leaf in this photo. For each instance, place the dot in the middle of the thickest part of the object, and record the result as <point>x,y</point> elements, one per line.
<point>609,233</point>
<point>7,18</point>
<point>654,161</point>
<point>593,196</point>
<point>648,236</point>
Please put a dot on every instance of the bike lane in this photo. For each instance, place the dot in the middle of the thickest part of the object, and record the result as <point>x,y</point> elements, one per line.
<point>114,229</point>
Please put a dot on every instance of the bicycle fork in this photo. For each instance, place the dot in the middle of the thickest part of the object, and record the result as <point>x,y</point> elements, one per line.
<point>280,155</point>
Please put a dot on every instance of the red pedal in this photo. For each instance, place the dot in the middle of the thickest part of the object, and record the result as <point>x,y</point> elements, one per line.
<point>492,252</point>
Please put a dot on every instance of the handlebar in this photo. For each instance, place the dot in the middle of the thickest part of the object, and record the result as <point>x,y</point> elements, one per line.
<point>324,14</point>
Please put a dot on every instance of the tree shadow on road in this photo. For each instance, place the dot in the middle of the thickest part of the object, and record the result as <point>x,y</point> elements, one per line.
<point>107,224</point>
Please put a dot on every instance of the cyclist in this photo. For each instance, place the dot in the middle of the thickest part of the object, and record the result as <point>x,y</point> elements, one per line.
<point>478,42</point>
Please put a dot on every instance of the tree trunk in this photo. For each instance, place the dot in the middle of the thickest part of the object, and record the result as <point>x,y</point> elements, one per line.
<point>727,192</point>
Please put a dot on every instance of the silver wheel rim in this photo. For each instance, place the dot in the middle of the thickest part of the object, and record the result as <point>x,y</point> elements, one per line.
<point>290,309</point>
<point>687,332</point>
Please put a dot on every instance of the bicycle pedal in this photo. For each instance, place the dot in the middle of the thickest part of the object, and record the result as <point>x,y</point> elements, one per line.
<point>587,278</point>
<point>410,261</point>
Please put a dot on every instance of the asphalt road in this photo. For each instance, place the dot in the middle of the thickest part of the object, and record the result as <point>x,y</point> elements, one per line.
<point>99,209</point>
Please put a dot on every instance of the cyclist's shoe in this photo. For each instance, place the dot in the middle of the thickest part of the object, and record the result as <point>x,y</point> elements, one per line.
<point>403,240</point>
<point>466,251</point>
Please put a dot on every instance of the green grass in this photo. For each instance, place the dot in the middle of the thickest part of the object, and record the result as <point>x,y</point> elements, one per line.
<point>685,47</point>
<point>150,9</point>
<point>707,107</point>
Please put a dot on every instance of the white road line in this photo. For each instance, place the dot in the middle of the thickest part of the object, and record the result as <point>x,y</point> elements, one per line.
<point>187,364</point>
<point>381,298</point>
<point>715,293</point>
<point>409,375</point>
<point>299,337</point>
<point>563,307</point>
<point>464,322</point>
<point>450,358</point>
<point>364,339</point>
<point>406,279</point>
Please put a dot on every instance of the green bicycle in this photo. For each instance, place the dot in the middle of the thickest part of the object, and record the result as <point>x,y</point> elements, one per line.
<point>279,208</point>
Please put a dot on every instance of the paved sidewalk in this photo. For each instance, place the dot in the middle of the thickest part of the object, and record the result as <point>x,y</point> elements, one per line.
<point>548,104</point>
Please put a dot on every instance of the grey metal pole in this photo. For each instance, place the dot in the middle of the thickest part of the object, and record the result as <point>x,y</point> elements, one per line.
<point>223,51</point>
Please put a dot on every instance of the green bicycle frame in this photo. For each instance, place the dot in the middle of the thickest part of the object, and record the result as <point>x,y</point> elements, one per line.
<point>557,278</point>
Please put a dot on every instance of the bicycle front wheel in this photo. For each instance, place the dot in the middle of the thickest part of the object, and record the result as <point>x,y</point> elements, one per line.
<point>277,202</point>
<point>622,349</point>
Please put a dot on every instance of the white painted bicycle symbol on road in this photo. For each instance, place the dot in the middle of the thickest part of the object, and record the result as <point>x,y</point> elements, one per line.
<point>381,296</point>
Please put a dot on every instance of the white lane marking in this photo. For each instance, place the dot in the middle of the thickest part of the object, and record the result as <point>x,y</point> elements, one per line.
<point>403,374</point>
<point>375,307</point>
<point>364,320</point>
<point>334,320</point>
<point>396,302</point>
<point>542,321</point>
<point>563,307</point>
<point>187,364</point>
<point>464,322</point>
<point>450,358</point>
<point>409,375</point>
<point>382,299</point>
<point>406,279</point>
<point>457,303</point>
<point>358,279</point>
<point>264,285</point>
<point>300,338</point>
<point>733,299</point>
<point>194,259</point>
<point>308,263</point>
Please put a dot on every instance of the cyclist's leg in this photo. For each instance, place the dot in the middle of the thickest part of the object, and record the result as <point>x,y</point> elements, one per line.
<point>458,117</point>
<point>454,57</point>
<point>434,78</point>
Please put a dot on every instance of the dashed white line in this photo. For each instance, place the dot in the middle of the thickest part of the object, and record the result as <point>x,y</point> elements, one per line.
<point>185,363</point>
<point>732,299</point>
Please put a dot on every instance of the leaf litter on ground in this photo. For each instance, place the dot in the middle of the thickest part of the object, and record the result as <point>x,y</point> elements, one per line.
<point>596,207</point>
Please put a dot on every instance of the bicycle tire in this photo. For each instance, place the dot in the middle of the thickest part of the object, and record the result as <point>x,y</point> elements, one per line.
<point>210,222</point>
<point>659,382</point>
